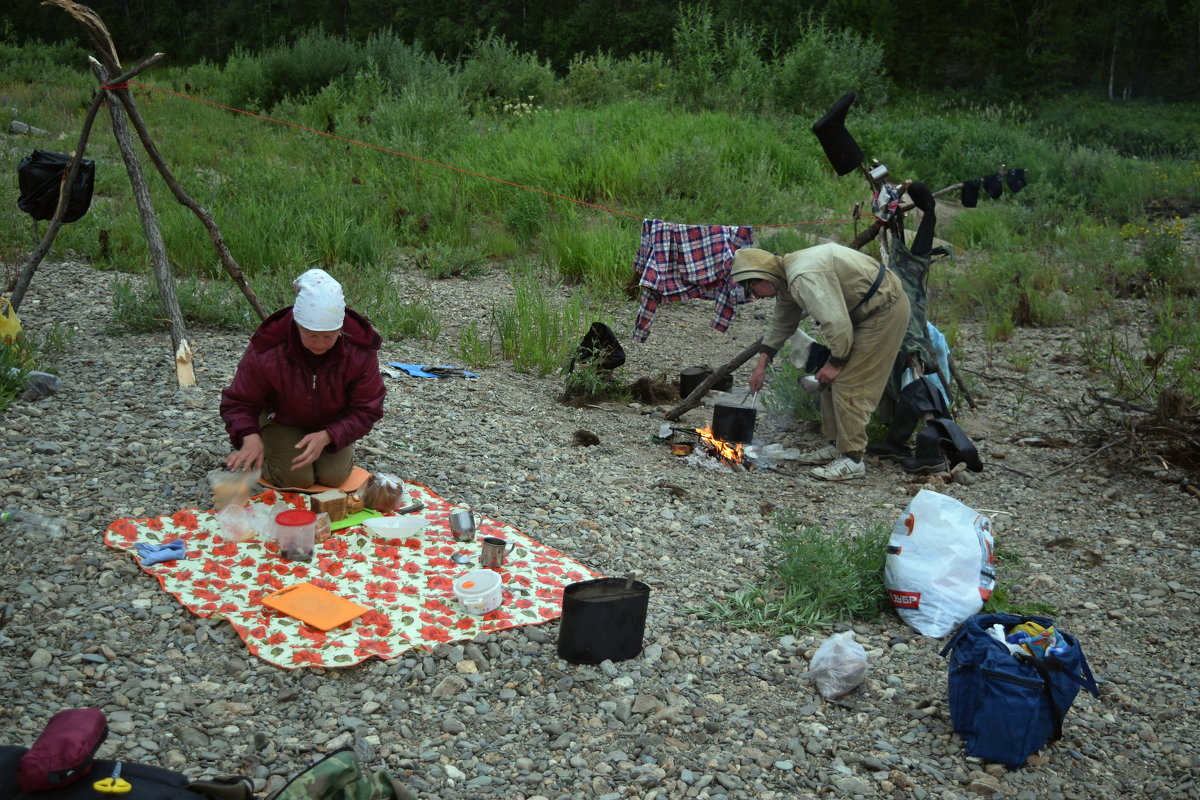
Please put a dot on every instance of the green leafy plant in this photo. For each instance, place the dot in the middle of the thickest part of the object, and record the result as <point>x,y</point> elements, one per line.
<point>587,381</point>
<point>473,348</point>
<point>1002,601</point>
<point>33,350</point>
<point>1003,598</point>
<point>14,369</point>
<point>819,577</point>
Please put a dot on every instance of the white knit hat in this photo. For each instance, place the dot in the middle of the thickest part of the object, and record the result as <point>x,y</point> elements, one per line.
<point>320,304</point>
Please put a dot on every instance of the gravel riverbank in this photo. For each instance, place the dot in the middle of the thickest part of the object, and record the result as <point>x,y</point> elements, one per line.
<point>707,711</point>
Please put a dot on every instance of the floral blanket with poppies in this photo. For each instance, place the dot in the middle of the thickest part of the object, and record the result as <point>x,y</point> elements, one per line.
<point>407,583</point>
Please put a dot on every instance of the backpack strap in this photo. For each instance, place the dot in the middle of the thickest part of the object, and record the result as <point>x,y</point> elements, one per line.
<point>870,292</point>
<point>1044,671</point>
<point>1085,680</point>
<point>231,787</point>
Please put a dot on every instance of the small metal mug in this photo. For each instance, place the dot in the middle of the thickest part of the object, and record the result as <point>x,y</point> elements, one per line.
<point>463,524</point>
<point>494,551</point>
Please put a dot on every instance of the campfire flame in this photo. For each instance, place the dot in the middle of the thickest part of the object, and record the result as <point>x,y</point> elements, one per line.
<point>730,451</point>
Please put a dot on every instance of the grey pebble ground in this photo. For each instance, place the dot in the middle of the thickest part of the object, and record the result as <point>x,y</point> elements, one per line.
<point>706,711</point>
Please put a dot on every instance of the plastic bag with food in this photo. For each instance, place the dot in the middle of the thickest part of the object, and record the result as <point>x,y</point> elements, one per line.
<point>231,488</point>
<point>839,665</point>
<point>382,492</point>
<point>246,523</point>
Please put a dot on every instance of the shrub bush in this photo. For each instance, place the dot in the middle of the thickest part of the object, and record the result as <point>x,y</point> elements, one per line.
<point>497,72</point>
<point>824,64</point>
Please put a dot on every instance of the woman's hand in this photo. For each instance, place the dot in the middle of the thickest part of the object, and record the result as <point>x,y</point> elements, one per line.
<point>249,457</point>
<point>310,448</point>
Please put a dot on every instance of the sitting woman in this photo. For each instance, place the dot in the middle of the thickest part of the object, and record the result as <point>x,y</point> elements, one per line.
<point>306,389</point>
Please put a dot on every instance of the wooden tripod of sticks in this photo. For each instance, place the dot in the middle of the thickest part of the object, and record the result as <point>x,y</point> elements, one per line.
<point>115,94</point>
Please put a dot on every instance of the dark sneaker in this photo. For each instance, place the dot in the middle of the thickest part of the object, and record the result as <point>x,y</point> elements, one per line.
<point>925,466</point>
<point>889,452</point>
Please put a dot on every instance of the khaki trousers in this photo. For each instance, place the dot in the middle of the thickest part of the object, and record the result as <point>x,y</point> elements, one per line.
<point>279,448</point>
<point>848,402</point>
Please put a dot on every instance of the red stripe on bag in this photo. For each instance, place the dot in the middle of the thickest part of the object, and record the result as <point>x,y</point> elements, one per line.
<point>904,599</point>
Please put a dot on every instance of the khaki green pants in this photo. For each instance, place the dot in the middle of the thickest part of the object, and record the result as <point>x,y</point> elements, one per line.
<point>848,402</point>
<point>279,448</point>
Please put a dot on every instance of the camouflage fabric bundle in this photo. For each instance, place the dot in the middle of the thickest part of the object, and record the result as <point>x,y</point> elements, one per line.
<point>912,270</point>
<point>338,776</point>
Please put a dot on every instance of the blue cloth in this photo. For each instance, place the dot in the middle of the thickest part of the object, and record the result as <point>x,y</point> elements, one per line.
<point>941,351</point>
<point>155,553</point>
<point>418,370</point>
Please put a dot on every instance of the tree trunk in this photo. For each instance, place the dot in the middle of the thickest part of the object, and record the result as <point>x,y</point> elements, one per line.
<point>214,233</point>
<point>95,30</point>
<point>1112,68</point>
<point>141,194</point>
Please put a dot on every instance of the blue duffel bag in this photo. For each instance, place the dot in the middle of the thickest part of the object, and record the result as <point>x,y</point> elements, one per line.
<point>1006,705</point>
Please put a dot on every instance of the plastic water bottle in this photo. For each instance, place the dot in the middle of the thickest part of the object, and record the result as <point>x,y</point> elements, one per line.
<point>37,384</point>
<point>30,522</point>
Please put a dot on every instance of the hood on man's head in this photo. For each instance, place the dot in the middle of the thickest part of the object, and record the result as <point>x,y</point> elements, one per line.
<point>752,264</point>
<point>320,304</point>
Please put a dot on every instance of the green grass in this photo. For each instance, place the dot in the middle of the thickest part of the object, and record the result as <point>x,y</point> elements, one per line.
<point>818,577</point>
<point>560,171</point>
<point>786,396</point>
<point>472,348</point>
<point>537,331</point>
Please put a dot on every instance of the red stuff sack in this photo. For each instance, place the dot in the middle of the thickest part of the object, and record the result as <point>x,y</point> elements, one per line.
<point>64,749</point>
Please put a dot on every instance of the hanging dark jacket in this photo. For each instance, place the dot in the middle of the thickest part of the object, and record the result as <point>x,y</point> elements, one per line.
<point>343,396</point>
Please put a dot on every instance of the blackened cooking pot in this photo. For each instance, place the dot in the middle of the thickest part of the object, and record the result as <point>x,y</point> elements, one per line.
<point>733,423</point>
<point>692,377</point>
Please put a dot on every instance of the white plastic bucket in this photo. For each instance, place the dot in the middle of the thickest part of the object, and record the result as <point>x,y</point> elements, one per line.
<point>479,591</point>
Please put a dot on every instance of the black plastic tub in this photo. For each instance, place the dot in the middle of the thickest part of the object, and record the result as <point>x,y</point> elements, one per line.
<point>603,619</point>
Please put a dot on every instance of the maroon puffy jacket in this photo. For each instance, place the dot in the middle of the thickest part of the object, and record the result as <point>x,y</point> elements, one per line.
<point>344,396</point>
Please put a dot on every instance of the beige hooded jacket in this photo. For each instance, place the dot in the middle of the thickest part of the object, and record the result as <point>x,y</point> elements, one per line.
<point>823,282</point>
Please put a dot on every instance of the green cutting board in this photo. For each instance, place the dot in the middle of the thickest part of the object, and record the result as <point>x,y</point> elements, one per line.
<point>354,519</point>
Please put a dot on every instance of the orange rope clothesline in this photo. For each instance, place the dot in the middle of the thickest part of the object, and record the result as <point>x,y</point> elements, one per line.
<point>402,154</point>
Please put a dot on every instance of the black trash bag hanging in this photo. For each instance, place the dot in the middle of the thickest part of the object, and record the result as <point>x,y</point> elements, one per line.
<point>600,348</point>
<point>40,175</point>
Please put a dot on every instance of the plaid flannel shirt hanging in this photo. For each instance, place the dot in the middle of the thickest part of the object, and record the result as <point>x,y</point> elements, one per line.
<point>677,262</point>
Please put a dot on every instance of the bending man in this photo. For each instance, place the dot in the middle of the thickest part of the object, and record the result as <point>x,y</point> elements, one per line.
<point>306,389</point>
<point>863,313</point>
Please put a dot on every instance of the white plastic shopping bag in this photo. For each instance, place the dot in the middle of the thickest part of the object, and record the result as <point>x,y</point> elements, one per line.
<point>940,566</point>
